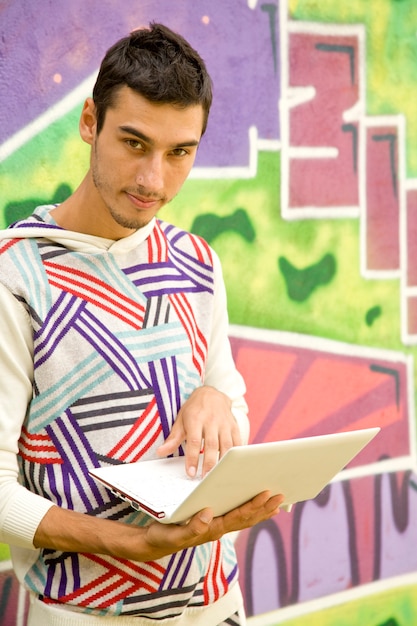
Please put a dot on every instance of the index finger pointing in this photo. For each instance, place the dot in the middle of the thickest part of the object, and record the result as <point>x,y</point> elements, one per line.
<point>193,448</point>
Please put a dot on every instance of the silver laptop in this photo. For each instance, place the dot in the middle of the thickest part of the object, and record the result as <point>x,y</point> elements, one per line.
<point>297,468</point>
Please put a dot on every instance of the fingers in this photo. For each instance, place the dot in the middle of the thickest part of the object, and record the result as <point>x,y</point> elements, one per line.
<point>217,441</point>
<point>173,441</point>
<point>206,424</point>
<point>193,448</point>
<point>203,527</point>
<point>271,504</point>
<point>260,508</point>
<point>231,437</point>
<point>213,440</point>
<point>213,433</point>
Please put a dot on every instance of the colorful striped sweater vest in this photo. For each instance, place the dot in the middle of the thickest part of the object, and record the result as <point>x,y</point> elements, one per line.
<point>120,341</point>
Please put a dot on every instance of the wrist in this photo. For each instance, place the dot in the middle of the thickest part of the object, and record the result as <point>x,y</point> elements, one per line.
<point>70,531</point>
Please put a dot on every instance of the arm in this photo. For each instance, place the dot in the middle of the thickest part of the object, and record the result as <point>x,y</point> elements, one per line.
<point>215,415</point>
<point>20,510</point>
<point>65,530</point>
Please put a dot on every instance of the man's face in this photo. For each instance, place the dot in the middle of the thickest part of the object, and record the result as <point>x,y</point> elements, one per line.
<point>140,159</point>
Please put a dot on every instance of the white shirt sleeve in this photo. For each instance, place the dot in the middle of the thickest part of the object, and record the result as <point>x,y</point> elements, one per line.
<point>221,371</point>
<point>20,510</point>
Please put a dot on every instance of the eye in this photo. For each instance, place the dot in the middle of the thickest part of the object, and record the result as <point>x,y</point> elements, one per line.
<point>179,152</point>
<point>135,144</point>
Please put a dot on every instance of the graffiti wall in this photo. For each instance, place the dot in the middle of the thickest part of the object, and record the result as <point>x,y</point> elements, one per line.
<point>306,186</point>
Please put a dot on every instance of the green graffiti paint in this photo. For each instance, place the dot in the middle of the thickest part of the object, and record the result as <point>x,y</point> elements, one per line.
<point>301,283</point>
<point>4,552</point>
<point>20,209</point>
<point>372,314</point>
<point>209,225</point>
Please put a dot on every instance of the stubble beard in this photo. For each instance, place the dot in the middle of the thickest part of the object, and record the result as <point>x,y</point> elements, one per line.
<point>130,223</point>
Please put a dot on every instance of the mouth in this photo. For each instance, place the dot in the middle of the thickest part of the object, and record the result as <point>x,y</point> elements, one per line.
<point>143,202</point>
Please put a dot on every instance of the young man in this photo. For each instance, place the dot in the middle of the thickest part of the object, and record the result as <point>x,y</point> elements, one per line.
<point>114,348</point>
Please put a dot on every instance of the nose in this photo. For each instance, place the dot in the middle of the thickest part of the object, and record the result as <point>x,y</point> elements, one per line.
<point>150,173</point>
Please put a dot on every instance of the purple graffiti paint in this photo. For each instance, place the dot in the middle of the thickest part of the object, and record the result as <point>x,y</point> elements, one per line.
<point>265,574</point>
<point>324,547</point>
<point>48,49</point>
<point>398,512</point>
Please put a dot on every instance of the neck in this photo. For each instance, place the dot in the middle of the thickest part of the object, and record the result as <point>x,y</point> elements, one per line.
<point>85,212</point>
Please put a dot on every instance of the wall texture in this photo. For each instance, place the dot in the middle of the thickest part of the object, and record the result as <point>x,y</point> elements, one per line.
<point>306,186</point>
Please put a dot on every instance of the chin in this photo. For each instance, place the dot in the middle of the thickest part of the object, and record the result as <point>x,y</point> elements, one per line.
<point>131,223</point>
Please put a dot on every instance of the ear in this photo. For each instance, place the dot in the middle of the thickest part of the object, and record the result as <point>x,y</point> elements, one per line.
<point>88,121</point>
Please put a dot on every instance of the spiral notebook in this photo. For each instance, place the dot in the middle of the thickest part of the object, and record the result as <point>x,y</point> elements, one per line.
<point>297,468</point>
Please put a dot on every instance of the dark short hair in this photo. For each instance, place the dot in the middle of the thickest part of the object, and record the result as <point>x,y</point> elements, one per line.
<point>158,64</point>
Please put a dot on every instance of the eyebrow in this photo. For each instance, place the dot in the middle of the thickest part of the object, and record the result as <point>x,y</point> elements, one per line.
<point>137,133</point>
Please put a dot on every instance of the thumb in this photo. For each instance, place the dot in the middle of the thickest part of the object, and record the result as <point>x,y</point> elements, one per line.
<point>175,438</point>
<point>198,524</point>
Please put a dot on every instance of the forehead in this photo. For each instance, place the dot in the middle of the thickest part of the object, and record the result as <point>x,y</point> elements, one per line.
<point>129,108</point>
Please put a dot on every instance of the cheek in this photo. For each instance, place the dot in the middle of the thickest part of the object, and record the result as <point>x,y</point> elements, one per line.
<point>115,169</point>
<point>179,175</point>
<point>175,186</point>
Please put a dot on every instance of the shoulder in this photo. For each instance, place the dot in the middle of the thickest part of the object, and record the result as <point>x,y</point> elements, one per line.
<point>187,242</point>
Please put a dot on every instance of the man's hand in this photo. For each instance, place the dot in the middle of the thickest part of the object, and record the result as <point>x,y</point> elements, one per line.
<point>205,421</point>
<point>164,539</point>
<point>70,531</point>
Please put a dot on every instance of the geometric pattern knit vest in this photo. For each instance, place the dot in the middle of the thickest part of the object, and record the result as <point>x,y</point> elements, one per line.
<point>120,341</point>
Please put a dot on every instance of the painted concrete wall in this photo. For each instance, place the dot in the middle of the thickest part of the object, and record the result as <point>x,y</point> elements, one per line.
<point>306,186</point>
